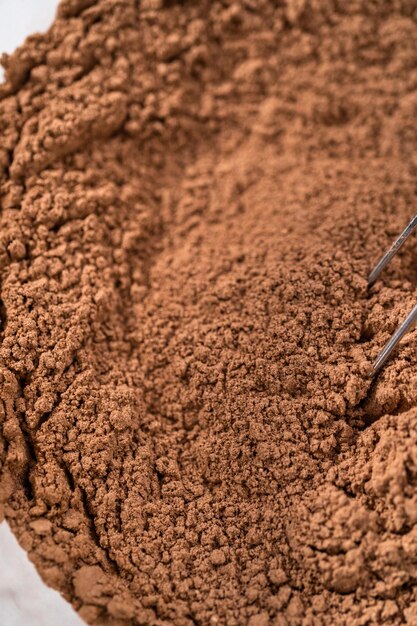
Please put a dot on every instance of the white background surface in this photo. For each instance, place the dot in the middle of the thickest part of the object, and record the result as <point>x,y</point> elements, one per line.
<point>24,599</point>
<point>20,18</point>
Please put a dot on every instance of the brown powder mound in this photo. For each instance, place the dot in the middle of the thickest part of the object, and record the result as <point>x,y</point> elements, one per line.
<point>192,196</point>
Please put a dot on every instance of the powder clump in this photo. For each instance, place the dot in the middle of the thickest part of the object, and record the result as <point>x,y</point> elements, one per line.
<point>191,198</point>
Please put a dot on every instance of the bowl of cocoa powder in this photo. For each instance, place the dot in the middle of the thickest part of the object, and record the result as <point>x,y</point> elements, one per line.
<point>192,195</point>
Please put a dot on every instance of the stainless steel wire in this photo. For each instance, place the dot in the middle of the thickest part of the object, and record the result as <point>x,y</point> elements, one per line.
<point>386,351</point>
<point>383,262</point>
<point>411,318</point>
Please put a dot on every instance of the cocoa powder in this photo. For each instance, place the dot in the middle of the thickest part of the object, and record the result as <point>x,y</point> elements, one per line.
<point>192,196</point>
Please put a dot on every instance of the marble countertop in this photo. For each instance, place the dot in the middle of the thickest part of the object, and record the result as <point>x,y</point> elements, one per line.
<point>24,599</point>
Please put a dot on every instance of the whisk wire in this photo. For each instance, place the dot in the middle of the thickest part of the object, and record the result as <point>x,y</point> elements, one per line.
<point>411,318</point>
<point>383,262</point>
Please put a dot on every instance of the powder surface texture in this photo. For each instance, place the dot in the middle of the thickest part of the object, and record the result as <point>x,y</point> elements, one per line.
<point>192,195</point>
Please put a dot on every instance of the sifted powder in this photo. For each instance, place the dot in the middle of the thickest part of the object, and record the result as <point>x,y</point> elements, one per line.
<point>192,195</point>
